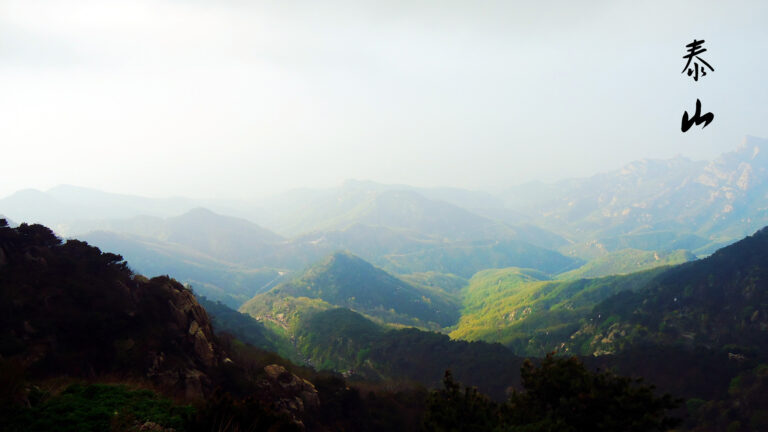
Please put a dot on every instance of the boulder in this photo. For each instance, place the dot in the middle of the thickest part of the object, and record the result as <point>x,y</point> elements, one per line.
<point>287,393</point>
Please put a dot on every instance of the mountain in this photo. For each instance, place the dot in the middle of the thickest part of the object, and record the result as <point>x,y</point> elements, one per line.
<point>410,210</point>
<point>239,242</point>
<point>448,283</point>
<point>85,344</point>
<point>440,213</point>
<point>69,309</point>
<point>63,205</point>
<point>713,202</point>
<point>658,205</point>
<point>371,241</point>
<point>220,280</point>
<point>626,261</point>
<point>344,340</point>
<point>338,339</point>
<point>697,329</point>
<point>74,317</point>
<point>526,311</point>
<point>718,302</point>
<point>232,239</point>
<point>231,259</point>
<point>301,210</point>
<point>73,210</point>
<point>33,206</point>
<point>221,256</point>
<point>402,251</point>
<point>467,258</point>
<point>223,237</point>
<point>245,328</point>
<point>399,209</point>
<point>345,280</point>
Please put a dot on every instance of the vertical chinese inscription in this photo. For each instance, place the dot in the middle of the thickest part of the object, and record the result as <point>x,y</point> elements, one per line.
<point>697,68</point>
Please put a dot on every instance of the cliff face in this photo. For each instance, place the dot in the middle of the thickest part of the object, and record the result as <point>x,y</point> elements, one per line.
<point>67,308</point>
<point>188,351</point>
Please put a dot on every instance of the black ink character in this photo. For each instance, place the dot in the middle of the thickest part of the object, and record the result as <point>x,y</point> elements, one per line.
<point>697,118</point>
<point>694,49</point>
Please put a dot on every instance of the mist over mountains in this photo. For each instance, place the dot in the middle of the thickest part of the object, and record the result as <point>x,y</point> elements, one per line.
<point>365,217</point>
<point>658,206</point>
<point>382,283</point>
<point>699,204</point>
<point>642,195</point>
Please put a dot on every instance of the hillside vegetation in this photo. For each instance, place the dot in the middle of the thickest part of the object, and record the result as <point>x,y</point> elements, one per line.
<point>523,309</point>
<point>627,261</point>
<point>348,281</point>
<point>720,301</point>
<point>467,258</point>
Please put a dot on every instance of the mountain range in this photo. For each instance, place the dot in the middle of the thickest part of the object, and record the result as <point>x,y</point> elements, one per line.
<point>717,201</point>
<point>714,202</point>
<point>705,316</point>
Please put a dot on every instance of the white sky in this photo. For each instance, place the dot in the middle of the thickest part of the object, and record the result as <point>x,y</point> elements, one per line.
<point>241,98</point>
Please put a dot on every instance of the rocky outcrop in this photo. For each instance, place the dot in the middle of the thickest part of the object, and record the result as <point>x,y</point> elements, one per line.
<point>286,393</point>
<point>67,308</point>
<point>188,349</point>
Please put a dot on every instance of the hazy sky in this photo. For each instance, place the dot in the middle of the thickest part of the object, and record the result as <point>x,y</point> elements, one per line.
<point>240,98</point>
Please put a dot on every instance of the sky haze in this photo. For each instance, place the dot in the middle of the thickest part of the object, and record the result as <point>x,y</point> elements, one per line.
<point>239,99</point>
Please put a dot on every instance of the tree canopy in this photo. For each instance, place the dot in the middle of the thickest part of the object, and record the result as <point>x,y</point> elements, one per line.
<point>559,394</point>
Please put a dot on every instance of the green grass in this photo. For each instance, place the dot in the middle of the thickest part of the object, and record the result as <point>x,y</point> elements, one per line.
<point>98,408</point>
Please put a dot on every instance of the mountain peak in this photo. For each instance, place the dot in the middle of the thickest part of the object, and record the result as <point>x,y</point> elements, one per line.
<point>751,141</point>
<point>29,193</point>
<point>192,224</point>
<point>200,212</point>
<point>66,188</point>
<point>361,184</point>
<point>342,261</point>
<point>345,280</point>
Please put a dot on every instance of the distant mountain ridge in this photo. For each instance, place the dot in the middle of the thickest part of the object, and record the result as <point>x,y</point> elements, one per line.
<point>618,221</point>
<point>399,209</point>
<point>62,206</point>
<point>718,201</point>
<point>647,204</point>
<point>237,253</point>
<point>627,261</point>
<point>231,283</point>
<point>467,258</point>
<point>65,204</point>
